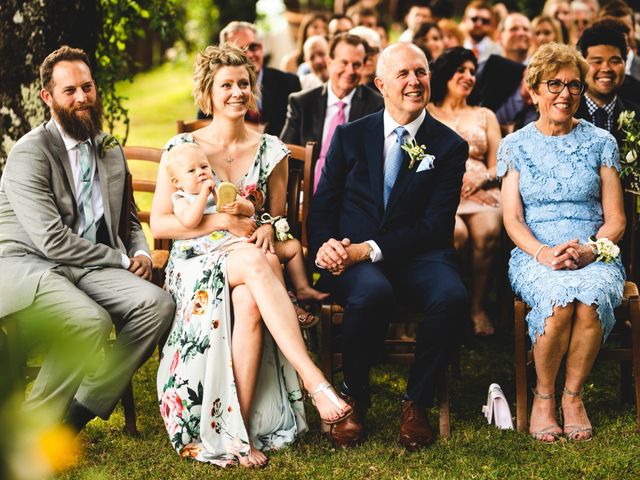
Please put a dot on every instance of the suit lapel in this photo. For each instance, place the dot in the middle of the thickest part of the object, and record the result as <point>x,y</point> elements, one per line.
<point>374,149</point>
<point>104,181</point>
<point>357,107</point>
<point>319,111</point>
<point>406,176</point>
<point>62,158</point>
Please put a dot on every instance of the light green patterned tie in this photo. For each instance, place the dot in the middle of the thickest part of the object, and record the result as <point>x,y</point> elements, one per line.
<point>85,199</point>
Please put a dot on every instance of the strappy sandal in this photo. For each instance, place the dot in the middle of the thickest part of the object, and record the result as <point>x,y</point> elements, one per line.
<point>572,431</point>
<point>333,398</point>
<point>306,319</point>
<point>547,431</point>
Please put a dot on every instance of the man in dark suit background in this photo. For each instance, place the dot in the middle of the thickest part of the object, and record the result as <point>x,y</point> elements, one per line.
<point>275,85</point>
<point>381,228</point>
<point>311,113</point>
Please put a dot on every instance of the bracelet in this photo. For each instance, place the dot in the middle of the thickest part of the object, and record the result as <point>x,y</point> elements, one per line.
<point>535,257</point>
<point>279,224</point>
<point>603,249</point>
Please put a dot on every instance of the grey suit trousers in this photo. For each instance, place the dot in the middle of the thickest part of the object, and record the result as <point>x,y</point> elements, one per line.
<point>75,309</point>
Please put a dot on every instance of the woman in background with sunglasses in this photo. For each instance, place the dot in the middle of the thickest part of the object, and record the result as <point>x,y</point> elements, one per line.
<point>562,207</point>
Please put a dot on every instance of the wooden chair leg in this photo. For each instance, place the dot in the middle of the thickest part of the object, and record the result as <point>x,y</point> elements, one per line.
<point>443,405</point>
<point>634,310</point>
<point>521,366</point>
<point>325,348</point>
<point>129,407</point>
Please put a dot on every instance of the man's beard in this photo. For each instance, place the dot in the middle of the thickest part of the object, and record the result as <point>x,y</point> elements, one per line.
<point>80,127</point>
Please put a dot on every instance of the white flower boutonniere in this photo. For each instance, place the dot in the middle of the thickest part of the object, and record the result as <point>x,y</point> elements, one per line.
<point>604,249</point>
<point>417,153</point>
<point>107,143</point>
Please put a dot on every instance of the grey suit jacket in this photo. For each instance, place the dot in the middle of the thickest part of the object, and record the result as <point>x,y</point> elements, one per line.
<point>39,218</point>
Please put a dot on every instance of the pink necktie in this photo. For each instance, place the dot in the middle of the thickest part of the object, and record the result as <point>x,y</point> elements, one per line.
<point>338,119</point>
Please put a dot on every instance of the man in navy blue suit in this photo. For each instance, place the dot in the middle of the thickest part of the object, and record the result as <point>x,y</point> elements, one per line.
<point>381,228</point>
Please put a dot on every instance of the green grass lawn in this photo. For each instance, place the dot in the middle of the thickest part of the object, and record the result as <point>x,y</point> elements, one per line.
<point>474,450</point>
<point>156,100</point>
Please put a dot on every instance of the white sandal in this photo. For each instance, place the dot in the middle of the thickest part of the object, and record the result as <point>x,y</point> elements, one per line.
<point>333,398</point>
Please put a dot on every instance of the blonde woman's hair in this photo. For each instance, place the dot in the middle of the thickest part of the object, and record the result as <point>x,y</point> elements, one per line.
<point>209,62</point>
<point>552,57</point>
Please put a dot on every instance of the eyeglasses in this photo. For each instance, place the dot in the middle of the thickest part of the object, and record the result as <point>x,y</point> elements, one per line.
<point>556,86</point>
<point>253,47</point>
<point>484,20</point>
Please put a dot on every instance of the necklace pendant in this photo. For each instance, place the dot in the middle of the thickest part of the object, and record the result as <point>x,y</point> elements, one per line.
<point>229,159</point>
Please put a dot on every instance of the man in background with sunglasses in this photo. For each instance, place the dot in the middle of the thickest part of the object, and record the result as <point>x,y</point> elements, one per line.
<point>479,24</point>
<point>275,85</point>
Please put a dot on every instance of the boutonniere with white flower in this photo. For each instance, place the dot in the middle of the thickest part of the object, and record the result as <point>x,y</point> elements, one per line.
<point>108,142</point>
<point>630,148</point>
<point>417,153</point>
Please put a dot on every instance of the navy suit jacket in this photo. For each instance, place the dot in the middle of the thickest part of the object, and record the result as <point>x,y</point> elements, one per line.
<point>422,205</point>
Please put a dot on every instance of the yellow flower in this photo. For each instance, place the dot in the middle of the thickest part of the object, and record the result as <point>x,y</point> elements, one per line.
<point>59,447</point>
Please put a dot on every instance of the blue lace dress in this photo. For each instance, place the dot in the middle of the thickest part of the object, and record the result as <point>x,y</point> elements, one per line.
<point>560,188</point>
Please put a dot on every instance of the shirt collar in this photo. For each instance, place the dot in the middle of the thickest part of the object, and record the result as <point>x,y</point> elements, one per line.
<point>390,124</point>
<point>593,106</point>
<point>69,142</point>
<point>333,99</point>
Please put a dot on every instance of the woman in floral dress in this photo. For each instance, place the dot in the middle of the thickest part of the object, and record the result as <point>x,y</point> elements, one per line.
<point>227,386</point>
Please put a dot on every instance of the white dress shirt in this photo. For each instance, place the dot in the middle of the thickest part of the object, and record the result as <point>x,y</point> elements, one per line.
<point>96,194</point>
<point>389,140</point>
<point>332,108</point>
<point>74,159</point>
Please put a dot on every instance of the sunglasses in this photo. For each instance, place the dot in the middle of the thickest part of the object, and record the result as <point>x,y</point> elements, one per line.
<point>483,20</point>
<point>556,86</point>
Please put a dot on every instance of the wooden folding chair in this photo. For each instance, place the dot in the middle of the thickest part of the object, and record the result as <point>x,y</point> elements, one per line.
<point>626,331</point>
<point>147,160</point>
<point>298,189</point>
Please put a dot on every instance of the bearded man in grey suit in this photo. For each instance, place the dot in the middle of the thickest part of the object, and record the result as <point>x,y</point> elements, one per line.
<point>72,252</point>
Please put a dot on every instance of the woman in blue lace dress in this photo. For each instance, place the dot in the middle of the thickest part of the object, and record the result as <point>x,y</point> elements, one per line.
<point>561,186</point>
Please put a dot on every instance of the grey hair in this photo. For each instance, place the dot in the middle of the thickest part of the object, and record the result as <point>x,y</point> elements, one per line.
<point>311,41</point>
<point>235,26</point>
<point>387,52</point>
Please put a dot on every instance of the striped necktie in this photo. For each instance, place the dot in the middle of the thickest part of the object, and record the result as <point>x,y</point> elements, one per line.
<point>85,200</point>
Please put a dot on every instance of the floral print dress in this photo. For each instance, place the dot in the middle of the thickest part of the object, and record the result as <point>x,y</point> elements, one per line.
<point>195,382</point>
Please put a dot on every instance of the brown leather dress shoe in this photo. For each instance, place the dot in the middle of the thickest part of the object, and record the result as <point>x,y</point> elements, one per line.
<point>350,431</point>
<point>415,432</point>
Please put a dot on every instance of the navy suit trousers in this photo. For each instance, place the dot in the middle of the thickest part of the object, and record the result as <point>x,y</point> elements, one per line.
<point>429,283</point>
